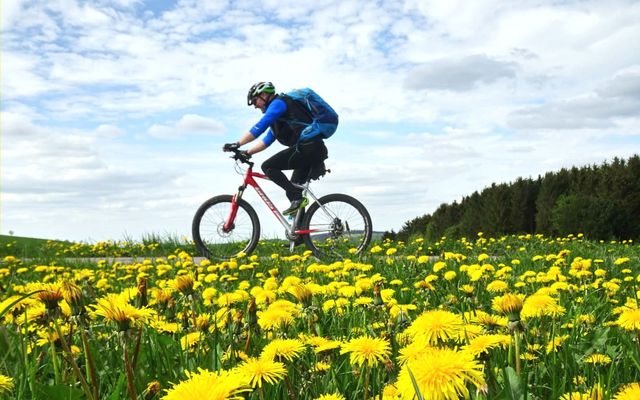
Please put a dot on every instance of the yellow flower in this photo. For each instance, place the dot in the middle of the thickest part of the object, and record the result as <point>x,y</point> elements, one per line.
<point>6,384</point>
<point>629,320</point>
<point>441,374</point>
<point>576,396</point>
<point>259,371</point>
<point>628,392</point>
<point>557,341</point>
<point>436,326</point>
<point>333,396</point>
<point>283,349</point>
<point>206,385</point>
<point>115,308</point>
<point>302,293</point>
<point>484,343</point>
<point>274,318</point>
<point>538,305</point>
<point>438,266</point>
<point>497,286</point>
<point>190,340</point>
<point>450,275</point>
<point>184,284</point>
<point>320,367</point>
<point>489,321</point>
<point>466,289</point>
<point>367,350</point>
<point>390,392</point>
<point>414,350</point>
<point>621,260</point>
<point>597,359</point>
<point>509,304</point>
<point>51,293</point>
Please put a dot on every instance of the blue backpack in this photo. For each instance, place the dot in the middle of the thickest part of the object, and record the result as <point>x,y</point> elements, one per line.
<point>324,118</point>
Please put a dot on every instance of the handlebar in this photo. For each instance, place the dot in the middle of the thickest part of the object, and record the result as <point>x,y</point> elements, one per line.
<point>241,156</point>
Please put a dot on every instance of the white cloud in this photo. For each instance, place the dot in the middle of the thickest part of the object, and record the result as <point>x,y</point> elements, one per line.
<point>459,74</point>
<point>188,124</point>
<point>436,100</point>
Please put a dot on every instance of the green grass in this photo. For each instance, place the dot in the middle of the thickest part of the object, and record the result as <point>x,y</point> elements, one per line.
<point>587,322</point>
<point>24,247</point>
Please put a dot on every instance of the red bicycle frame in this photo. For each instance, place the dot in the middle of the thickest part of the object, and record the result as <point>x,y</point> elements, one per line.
<point>250,181</point>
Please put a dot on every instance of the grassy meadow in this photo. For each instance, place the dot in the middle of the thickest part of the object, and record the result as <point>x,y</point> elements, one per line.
<point>515,317</point>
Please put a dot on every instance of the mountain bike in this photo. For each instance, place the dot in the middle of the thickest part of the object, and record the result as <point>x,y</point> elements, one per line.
<point>332,226</point>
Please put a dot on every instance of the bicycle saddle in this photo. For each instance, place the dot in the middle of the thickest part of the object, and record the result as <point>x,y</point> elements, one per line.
<point>317,171</point>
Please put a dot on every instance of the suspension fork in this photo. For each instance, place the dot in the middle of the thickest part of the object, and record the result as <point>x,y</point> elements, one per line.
<point>229,224</point>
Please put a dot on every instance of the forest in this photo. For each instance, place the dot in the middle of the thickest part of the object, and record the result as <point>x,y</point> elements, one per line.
<point>601,202</point>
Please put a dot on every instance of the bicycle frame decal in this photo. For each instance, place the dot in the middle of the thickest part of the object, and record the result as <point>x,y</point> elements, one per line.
<point>250,181</point>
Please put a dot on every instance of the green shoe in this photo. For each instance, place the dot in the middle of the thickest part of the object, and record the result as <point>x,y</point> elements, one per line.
<point>295,206</point>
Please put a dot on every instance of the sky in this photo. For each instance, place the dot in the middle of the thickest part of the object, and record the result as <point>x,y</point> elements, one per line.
<point>113,113</point>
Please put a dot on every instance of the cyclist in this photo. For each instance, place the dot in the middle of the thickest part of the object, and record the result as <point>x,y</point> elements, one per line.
<point>286,118</point>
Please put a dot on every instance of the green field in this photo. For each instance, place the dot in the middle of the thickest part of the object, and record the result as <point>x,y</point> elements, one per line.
<point>516,317</point>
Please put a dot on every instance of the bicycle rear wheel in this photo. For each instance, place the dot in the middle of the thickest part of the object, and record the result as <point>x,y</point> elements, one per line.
<point>208,228</point>
<point>339,223</point>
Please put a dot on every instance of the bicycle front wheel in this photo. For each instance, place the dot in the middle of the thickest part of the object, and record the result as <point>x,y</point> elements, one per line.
<point>213,240</point>
<point>339,225</point>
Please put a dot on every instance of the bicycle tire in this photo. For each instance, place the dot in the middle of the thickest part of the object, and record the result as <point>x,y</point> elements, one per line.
<point>211,241</point>
<point>344,223</point>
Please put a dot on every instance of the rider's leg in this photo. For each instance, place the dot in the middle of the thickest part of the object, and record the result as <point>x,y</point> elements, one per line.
<point>274,166</point>
<point>300,158</point>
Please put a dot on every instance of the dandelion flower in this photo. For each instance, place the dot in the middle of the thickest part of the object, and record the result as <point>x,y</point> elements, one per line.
<point>597,359</point>
<point>555,343</point>
<point>390,392</point>
<point>414,350</point>
<point>489,321</point>
<point>367,350</point>
<point>437,326</point>
<point>115,308</point>
<point>207,385</point>
<point>333,396</point>
<point>484,343</point>
<point>302,293</point>
<point>320,367</point>
<point>51,293</point>
<point>628,392</point>
<point>441,374</point>
<point>260,371</point>
<point>576,396</point>
<point>190,340</point>
<point>629,320</point>
<point>6,384</point>
<point>509,304</point>
<point>274,318</point>
<point>497,286</point>
<point>283,349</point>
<point>184,284</point>
<point>539,305</point>
<point>326,346</point>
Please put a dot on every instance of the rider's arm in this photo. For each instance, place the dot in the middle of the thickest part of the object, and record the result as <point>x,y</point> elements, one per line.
<point>276,108</point>
<point>257,148</point>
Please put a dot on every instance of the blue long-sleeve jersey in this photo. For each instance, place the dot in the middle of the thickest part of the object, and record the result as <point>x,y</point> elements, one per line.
<point>275,110</point>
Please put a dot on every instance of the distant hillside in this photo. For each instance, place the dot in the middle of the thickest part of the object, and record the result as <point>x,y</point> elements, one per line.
<point>599,201</point>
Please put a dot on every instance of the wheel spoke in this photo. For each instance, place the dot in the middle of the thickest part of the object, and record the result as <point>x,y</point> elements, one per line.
<point>209,232</point>
<point>341,224</point>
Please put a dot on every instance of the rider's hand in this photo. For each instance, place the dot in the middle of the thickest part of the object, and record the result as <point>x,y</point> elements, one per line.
<point>230,146</point>
<point>244,154</point>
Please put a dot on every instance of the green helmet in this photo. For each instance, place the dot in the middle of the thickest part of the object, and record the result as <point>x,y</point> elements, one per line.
<point>258,88</point>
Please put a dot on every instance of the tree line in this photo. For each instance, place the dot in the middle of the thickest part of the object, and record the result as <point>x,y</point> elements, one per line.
<point>599,201</point>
